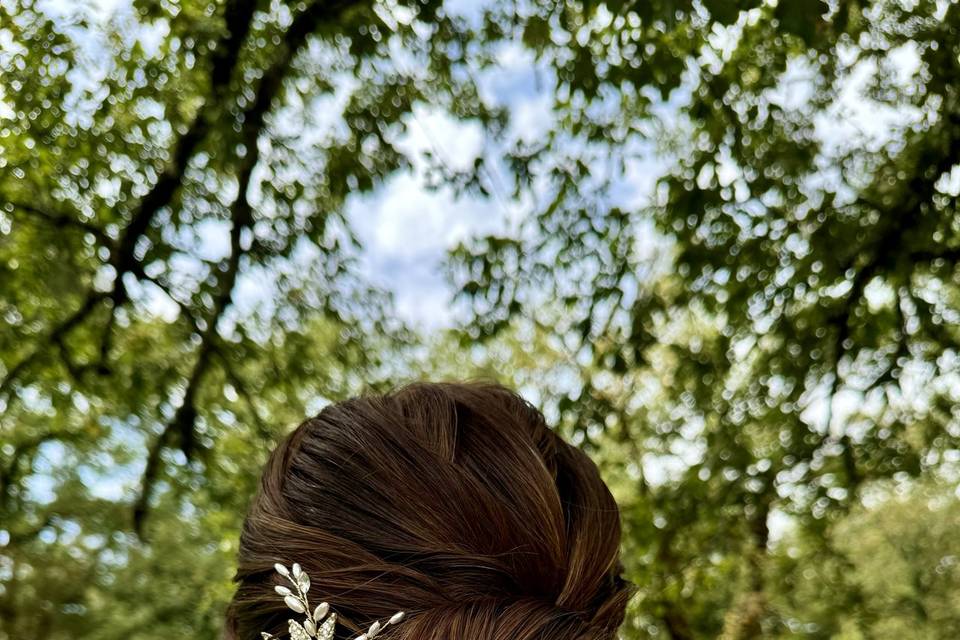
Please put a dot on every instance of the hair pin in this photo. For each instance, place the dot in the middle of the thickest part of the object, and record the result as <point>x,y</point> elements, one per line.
<point>319,623</point>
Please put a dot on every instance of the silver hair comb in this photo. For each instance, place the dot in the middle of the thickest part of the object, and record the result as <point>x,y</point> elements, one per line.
<point>321,622</point>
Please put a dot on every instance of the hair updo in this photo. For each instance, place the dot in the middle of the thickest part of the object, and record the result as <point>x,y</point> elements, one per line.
<point>452,502</point>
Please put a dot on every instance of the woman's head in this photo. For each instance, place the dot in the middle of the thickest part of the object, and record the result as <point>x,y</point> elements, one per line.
<point>452,502</point>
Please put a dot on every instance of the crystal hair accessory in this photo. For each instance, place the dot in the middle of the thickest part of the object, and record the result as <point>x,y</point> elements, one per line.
<point>319,623</point>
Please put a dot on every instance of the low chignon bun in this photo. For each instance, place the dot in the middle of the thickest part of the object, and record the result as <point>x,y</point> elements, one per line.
<point>453,502</point>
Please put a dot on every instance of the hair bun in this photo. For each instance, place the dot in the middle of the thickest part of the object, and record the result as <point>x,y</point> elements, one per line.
<point>452,502</point>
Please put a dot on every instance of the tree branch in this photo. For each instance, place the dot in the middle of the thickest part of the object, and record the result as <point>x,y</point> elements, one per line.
<point>54,337</point>
<point>9,473</point>
<point>901,217</point>
<point>238,15</point>
<point>60,220</point>
<point>182,426</point>
<point>244,393</point>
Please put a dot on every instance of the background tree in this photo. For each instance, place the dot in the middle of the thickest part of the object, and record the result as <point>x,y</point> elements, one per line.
<point>894,569</point>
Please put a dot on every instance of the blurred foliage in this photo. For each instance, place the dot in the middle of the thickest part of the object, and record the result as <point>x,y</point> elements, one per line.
<point>760,353</point>
<point>779,316</point>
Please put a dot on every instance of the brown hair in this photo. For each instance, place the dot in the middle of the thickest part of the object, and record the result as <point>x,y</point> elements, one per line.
<point>452,502</point>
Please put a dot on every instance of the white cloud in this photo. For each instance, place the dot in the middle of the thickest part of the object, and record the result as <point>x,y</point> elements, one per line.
<point>456,143</point>
<point>406,232</point>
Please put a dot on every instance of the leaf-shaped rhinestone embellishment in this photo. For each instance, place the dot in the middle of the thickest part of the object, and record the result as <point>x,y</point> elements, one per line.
<point>297,632</point>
